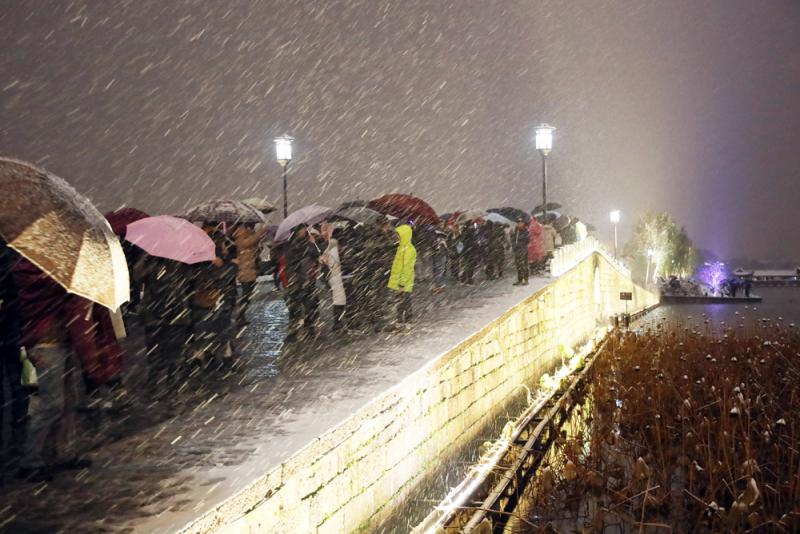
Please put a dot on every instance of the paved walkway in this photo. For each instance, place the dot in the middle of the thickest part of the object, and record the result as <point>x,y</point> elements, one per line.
<point>155,468</point>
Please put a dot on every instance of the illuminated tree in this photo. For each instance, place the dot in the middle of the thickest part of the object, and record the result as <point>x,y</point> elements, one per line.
<point>660,247</point>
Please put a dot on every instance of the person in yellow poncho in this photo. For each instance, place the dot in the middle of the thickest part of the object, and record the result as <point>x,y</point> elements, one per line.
<point>401,278</point>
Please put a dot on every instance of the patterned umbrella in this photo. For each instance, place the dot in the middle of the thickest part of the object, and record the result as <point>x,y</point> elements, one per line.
<point>260,204</point>
<point>309,215</point>
<point>44,219</point>
<point>225,211</point>
<point>405,207</point>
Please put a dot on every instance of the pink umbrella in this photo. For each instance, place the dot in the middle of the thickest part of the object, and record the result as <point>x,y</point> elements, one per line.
<point>172,238</point>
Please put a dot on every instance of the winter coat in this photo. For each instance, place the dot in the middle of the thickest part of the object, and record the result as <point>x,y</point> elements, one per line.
<point>9,305</point>
<point>51,315</point>
<point>248,248</point>
<point>549,236</point>
<point>211,282</point>
<point>168,293</point>
<point>302,263</point>
<point>520,239</point>
<point>331,258</point>
<point>401,277</point>
<point>535,247</point>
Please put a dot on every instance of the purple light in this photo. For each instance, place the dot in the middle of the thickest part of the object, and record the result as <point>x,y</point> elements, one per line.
<point>713,274</point>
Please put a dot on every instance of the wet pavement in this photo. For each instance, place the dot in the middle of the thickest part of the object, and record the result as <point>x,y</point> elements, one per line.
<point>158,465</point>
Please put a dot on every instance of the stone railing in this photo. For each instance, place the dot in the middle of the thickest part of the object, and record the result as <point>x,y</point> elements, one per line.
<point>568,256</point>
<point>353,477</point>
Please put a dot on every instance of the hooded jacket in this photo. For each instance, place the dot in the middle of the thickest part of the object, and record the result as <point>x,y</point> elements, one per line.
<point>402,276</point>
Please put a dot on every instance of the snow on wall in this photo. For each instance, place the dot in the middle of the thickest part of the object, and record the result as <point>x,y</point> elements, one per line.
<point>351,478</point>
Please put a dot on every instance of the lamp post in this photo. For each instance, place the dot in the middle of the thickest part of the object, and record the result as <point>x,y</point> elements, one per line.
<point>614,217</point>
<point>283,153</point>
<point>544,143</point>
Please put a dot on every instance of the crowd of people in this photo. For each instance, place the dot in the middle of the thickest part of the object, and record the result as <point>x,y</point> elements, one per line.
<point>369,269</point>
<point>191,314</point>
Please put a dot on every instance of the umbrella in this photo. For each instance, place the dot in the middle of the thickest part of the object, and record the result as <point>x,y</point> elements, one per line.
<point>122,217</point>
<point>405,207</point>
<point>550,206</point>
<point>361,215</point>
<point>225,211</point>
<point>470,215</point>
<point>44,219</point>
<point>352,204</point>
<point>172,238</point>
<point>260,204</point>
<point>497,218</point>
<point>512,213</point>
<point>551,217</point>
<point>309,215</point>
<point>562,222</point>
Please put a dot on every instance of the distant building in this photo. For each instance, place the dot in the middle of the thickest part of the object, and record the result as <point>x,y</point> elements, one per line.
<point>765,277</point>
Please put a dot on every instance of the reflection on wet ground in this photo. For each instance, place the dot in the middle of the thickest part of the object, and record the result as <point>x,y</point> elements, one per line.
<point>169,459</point>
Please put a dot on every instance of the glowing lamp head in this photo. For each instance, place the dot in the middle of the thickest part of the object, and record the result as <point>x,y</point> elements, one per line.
<point>615,216</point>
<point>544,138</point>
<point>283,149</point>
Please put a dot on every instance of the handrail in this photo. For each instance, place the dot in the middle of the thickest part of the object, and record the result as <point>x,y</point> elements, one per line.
<point>566,257</point>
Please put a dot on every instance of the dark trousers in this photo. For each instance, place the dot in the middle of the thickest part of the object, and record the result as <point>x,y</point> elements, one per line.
<point>246,292</point>
<point>521,262</point>
<point>404,309</point>
<point>166,356</point>
<point>12,395</point>
<point>468,274</point>
<point>338,316</point>
<point>303,304</point>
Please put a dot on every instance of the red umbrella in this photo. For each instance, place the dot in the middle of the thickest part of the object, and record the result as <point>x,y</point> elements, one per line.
<point>122,217</point>
<point>405,207</point>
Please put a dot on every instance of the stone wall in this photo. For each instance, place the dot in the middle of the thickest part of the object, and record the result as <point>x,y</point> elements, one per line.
<point>350,479</point>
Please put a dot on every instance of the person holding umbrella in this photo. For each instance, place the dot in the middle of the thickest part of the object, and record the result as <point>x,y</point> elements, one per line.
<point>519,244</point>
<point>331,259</point>
<point>401,277</point>
<point>214,298</point>
<point>72,259</point>
<point>302,264</point>
<point>248,247</point>
<point>58,333</point>
<point>10,363</point>
<point>471,252</point>
<point>170,246</point>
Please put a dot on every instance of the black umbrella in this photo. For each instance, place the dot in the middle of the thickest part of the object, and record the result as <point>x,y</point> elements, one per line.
<point>512,213</point>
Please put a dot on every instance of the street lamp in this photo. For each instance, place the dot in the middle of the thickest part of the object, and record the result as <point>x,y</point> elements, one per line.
<point>544,143</point>
<point>283,153</point>
<point>614,217</point>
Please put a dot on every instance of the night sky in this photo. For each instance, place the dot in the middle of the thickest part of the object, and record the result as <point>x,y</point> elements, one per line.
<point>684,106</point>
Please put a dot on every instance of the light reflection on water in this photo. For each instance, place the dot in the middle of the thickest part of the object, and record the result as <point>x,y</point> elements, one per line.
<point>780,305</point>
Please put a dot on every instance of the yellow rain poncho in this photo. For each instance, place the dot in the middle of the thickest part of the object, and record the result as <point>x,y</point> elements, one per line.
<point>402,275</point>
